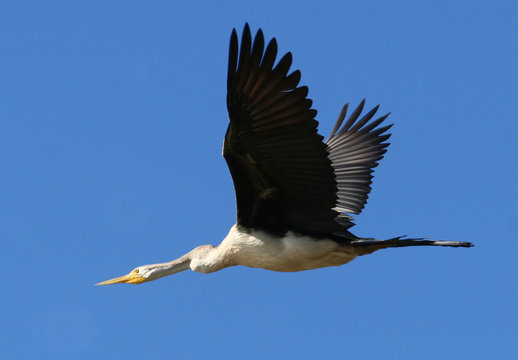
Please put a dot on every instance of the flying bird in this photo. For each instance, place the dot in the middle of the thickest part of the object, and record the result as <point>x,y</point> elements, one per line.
<point>294,191</point>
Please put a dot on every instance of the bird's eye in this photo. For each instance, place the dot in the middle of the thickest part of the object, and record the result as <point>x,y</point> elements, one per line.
<point>136,270</point>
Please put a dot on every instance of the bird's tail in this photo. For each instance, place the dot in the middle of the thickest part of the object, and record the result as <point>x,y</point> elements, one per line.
<point>368,246</point>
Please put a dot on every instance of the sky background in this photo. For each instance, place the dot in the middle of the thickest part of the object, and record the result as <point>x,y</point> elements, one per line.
<point>112,116</point>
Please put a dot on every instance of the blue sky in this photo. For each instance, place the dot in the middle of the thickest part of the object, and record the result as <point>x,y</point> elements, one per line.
<point>112,116</point>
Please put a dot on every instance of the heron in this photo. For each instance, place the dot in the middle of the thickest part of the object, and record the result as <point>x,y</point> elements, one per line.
<point>295,192</point>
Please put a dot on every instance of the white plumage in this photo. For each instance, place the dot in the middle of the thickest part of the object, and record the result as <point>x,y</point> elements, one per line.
<point>292,252</point>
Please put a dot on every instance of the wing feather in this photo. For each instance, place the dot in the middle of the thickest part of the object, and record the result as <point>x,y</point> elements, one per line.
<point>355,149</point>
<point>282,174</point>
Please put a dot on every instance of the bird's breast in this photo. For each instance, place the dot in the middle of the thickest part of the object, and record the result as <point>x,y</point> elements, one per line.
<point>291,252</point>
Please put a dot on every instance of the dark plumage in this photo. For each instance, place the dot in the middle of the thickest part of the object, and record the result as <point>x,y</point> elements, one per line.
<point>284,175</point>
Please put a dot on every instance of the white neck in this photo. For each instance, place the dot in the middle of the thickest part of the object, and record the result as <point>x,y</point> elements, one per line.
<point>204,259</point>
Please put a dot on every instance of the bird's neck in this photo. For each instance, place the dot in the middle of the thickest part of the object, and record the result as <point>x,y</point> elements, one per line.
<point>204,259</point>
<point>207,259</point>
<point>171,267</point>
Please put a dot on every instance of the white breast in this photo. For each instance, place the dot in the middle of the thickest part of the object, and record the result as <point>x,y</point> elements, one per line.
<point>293,252</point>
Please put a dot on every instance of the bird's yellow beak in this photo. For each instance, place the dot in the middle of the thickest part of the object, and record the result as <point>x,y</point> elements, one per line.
<point>132,278</point>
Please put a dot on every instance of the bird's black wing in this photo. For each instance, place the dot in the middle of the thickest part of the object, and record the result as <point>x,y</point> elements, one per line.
<point>354,150</point>
<point>282,174</point>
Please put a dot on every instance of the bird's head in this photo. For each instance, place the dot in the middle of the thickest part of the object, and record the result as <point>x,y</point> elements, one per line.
<point>138,275</point>
<point>152,272</point>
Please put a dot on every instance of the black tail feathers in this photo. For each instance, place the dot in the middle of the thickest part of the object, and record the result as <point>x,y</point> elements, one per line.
<point>368,246</point>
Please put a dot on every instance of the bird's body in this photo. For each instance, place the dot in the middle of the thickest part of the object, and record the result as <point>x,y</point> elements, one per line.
<point>293,190</point>
<point>288,253</point>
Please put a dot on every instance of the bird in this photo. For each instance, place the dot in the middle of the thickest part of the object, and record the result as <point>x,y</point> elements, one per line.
<point>295,192</point>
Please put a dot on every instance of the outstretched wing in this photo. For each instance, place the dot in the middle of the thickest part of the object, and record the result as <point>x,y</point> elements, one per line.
<point>279,164</point>
<point>354,150</point>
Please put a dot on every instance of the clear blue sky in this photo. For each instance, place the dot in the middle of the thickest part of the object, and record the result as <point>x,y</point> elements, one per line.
<point>112,116</point>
